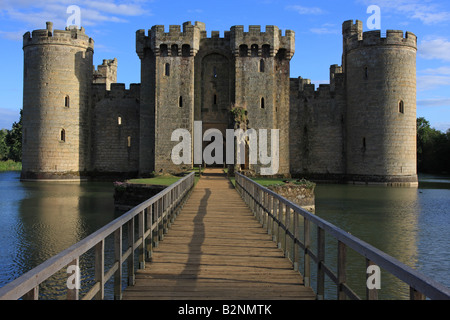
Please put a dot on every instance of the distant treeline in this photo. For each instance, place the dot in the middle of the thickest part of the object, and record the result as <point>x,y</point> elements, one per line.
<point>433,148</point>
<point>11,142</point>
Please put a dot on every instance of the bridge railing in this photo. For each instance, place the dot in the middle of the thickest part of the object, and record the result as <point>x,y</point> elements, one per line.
<point>153,216</point>
<point>283,220</point>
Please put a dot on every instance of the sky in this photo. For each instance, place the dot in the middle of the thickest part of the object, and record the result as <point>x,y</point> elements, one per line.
<point>317,26</point>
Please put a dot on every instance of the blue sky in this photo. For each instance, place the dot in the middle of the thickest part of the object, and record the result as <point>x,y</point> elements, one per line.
<point>317,25</point>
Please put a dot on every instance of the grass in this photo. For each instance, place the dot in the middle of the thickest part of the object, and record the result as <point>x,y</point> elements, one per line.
<point>10,165</point>
<point>164,180</point>
<point>267,182</point>
<point>159,180</point>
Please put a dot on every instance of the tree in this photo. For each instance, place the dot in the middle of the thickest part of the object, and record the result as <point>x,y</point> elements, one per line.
<point>433,148</point>
<point>13,140</point>
<point>4,150</point>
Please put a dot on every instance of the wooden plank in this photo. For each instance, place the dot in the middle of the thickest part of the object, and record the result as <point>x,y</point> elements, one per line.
<point>217,249</point>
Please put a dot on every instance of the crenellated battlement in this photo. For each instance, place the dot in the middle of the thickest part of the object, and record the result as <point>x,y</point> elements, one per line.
<point>263,43</point>
<point>71,36</point>
<point>116,91</point>
<point>179,41</point>
<point>308,89</point>
<point>272,38</point>
<point>355,38</point>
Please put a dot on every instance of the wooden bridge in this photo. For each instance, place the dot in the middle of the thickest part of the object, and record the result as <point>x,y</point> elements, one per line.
<point>216,249</point>
<point>222,244</point>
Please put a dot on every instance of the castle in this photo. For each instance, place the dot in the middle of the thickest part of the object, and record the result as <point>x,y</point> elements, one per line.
<point>78,122</point>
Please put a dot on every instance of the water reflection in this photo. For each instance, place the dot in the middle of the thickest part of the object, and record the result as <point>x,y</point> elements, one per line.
<point>407,223</point>
<point>40,219</point>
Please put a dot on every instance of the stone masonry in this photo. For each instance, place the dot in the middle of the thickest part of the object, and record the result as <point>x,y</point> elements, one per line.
<point>80,123</point>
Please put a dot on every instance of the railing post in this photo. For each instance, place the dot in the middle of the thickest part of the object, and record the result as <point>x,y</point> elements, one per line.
<point>286,233</point>
<point>269,214</point>
<point>274,219</point>
<point>280,220</point>
<point>73,288</point>
<point>295,241</point>
<point>161,219</point>
<point>33,294</point>
<point>118,260</point>
<point>415,295</point>
<point>149,242</point>
<point>156,222</point>
<point>341,270</point>
<point>100,269</point>
<point>371,294</point>
<point>307,258</point>
<point>131,256</point>
<point>320,261</point>
<point>141,225</point>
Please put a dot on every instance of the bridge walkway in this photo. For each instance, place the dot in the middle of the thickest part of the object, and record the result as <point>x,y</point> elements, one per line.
<point>216,249</point>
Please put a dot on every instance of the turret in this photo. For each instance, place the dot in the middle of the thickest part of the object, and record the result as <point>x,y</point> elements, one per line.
<point>167,90</point>
<point>56,95</point>
<point>381,104</point>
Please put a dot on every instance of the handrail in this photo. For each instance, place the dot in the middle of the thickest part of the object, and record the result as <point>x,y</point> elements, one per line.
<point>154,217</point>
<point>266,204</point>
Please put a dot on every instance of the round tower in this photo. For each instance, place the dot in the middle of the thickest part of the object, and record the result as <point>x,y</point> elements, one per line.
<point>58,67</point>
<point>381,105</point>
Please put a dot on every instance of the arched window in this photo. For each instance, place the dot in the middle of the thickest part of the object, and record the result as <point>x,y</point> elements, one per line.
<point>129,141</point>
<point>243,50</point>
<point>174,50</point>
<point>401,106</point>
<point>186,50</point>
<point>167,69</point>
<point>265,51</point>
<point>254,49</point>
<point>66,101</point>
<point>215,99</point>
<point>366,73</point>
<point>261,65</point>
<point>214,72</point>
<point>262,103</point>
<point>180,102</point>
<point>163,50</point>
<point>364,143</point>
<point>62,137</point>
<point>119,121</point>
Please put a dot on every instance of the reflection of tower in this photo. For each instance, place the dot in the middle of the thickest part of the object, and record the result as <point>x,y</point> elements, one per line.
<point>167,90</point>
<point>381,104</point>
<point>57,82</point>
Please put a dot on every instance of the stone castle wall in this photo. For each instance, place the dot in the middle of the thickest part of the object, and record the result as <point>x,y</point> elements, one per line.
<point>381,104</point>
<point>359,127</point>
<point>57,82</point>
<point>115,128</point>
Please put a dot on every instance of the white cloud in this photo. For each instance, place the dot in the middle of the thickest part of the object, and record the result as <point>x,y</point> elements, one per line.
<point>437,48</point>
<point>305,10</point>
<point>34,13</point>
<point>442,126</point>
<point>430,78</point>
<point>429,82</point>
<point>327,28</point>
<point>438,102</point>
<point>429,12</point>
<point>8,117</point>
<point>441,70</point>
<point>12,35</point>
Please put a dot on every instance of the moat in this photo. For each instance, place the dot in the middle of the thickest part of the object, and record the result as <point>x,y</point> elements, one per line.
<point>40,219</point>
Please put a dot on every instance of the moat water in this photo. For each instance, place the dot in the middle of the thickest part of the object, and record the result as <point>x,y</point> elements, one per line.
<point>40,219</point>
